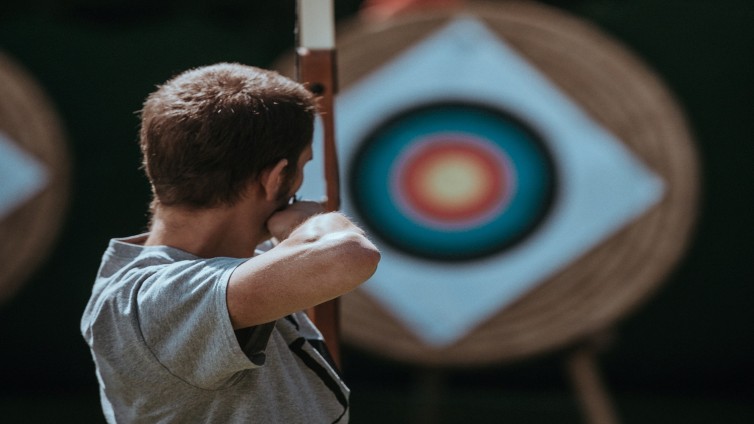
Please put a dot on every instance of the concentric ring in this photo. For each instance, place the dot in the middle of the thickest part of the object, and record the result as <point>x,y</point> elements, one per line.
<point>452,181</point>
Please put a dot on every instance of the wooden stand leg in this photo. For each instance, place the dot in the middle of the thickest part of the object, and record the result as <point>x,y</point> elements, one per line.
<point>587,382</point>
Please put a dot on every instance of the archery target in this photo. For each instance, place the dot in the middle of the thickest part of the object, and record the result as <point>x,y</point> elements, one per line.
<point>527,180</point>
<point>33,175</point>
<point>452,181</point>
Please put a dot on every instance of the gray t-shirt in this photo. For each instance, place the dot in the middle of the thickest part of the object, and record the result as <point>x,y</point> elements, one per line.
<point>165,351</point>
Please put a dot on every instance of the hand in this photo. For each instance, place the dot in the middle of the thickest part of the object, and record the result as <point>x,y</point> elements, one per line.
<point>283,222</point>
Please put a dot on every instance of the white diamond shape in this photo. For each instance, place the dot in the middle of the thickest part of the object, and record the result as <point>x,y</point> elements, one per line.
<point>21,176</point>
<point>603,186</point>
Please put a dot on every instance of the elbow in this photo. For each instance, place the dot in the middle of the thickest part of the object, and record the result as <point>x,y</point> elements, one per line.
<point>370,258</point>
<point>358,258</point>
<point>365,257</point>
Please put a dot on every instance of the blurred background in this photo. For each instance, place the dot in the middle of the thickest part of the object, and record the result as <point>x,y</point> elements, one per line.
<point>687,355</point>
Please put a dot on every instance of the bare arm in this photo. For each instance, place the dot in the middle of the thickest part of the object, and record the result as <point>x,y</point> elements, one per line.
<point>324,257</point>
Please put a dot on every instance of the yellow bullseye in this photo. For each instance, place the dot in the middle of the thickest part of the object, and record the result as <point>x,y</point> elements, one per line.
<point>452,182</point>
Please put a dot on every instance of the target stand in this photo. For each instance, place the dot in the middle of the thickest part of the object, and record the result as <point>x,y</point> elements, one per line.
<point>529,181</point>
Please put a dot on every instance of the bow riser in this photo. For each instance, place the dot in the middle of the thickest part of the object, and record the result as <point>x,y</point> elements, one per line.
<point>316,68</point>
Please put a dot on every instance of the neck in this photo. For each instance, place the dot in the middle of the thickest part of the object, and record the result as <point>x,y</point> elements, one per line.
<point>230,231</point>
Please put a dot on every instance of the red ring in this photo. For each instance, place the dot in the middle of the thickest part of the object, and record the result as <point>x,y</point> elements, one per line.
<point>430,157</point>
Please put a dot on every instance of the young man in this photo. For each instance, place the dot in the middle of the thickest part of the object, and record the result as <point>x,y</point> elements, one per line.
<point>187,323</point>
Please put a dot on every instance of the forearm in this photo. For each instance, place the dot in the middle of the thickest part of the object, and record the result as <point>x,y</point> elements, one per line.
<point>323,258</point>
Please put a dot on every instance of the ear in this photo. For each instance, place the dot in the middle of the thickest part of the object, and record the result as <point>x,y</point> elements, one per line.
<point>272,179</point>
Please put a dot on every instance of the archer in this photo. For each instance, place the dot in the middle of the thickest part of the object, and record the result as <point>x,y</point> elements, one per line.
<point>189,322</point>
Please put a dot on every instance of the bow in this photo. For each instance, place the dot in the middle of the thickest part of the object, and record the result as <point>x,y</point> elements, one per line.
<point>316,67</point>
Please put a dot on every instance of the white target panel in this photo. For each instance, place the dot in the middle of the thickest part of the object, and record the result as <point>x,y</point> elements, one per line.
<point>477,177</point>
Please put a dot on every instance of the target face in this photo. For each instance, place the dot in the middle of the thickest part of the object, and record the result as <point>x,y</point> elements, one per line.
<point>452,181</point>
<point>477,184</point>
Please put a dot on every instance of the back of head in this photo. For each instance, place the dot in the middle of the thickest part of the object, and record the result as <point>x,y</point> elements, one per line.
<point>209,131</point>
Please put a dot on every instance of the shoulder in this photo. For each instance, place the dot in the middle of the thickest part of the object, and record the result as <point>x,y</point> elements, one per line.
<point>134,279</point>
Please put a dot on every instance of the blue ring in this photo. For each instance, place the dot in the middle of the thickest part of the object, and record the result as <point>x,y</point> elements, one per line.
<point>376,204</point>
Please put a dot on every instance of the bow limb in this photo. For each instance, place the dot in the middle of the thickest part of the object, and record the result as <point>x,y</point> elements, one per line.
<point>316,68</point>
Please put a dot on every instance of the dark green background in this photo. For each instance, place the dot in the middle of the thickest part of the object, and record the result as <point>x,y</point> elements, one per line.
<point>686,356</point>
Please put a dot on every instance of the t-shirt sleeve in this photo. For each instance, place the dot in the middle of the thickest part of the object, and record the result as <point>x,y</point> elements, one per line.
<point>183,316</point>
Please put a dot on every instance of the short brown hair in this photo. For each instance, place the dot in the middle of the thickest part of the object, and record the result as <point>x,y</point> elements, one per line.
<point>209,131</point>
